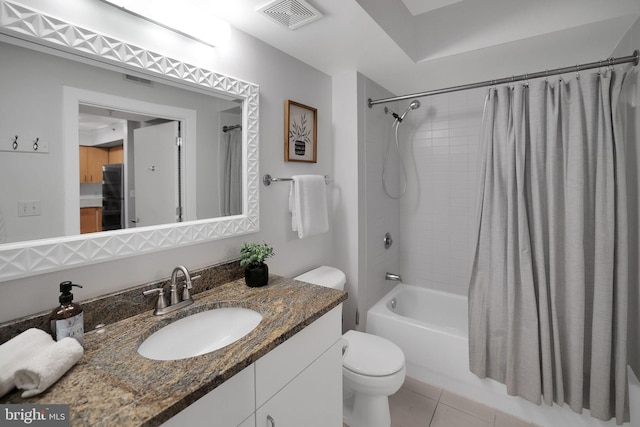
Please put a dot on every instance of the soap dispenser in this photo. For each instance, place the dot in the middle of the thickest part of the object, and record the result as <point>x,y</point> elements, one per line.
<point>67,320</point>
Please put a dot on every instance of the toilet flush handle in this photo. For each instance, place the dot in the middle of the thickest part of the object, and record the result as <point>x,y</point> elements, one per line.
<point>345,347</point>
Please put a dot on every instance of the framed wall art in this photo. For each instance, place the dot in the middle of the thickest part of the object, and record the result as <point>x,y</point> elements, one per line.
<point>300,132</point>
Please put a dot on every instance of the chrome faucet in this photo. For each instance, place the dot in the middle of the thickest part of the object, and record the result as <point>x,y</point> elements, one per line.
<point>394,277</point>
<point>174,302</point>
<point>186,289</point>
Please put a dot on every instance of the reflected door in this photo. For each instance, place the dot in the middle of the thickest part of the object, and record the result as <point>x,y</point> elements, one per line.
<point>156,174</point>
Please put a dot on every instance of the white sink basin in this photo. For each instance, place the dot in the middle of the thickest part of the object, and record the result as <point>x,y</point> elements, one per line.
<point>200,333</point>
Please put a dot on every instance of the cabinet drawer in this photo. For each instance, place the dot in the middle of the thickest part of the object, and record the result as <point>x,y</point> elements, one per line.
<point>282,364</point>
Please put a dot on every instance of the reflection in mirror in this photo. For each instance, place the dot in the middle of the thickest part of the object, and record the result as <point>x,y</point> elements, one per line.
<point>39,114</point>
<point>148,153</point>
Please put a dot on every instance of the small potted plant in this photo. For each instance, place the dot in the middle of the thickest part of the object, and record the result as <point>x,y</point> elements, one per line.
<point>252,256</point>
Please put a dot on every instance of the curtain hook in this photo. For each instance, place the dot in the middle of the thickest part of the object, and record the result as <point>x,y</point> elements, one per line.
<point>526,79</point>
<point>577,72</point>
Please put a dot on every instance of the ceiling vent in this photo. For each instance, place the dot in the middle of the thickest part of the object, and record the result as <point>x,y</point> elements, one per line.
<point>290,14</point>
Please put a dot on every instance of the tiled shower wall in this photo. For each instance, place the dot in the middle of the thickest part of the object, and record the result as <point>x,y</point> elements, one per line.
<point>439,143</point>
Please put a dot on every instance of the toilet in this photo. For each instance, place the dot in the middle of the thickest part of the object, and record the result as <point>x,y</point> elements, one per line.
<point>373,367</point>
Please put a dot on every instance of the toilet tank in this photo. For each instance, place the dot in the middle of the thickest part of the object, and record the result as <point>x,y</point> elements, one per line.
<point>328,277</point>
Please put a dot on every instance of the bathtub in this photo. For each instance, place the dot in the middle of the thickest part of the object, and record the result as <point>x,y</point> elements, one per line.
<point>431,328</point>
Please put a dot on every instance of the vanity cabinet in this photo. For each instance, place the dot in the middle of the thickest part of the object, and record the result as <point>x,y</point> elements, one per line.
<point>91,161</point>
<point>299,383</point>
<point>227,405</point>
<point>312,399</point>
<point>90,220</point>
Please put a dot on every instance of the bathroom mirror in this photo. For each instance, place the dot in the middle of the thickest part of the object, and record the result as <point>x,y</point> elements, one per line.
<point>105,103</point>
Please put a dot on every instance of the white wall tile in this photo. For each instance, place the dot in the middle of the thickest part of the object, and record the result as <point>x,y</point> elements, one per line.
<point>436,233</point>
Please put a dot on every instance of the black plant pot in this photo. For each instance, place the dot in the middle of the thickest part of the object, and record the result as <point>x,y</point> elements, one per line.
<point>256,276</point>
<point>300,148</point>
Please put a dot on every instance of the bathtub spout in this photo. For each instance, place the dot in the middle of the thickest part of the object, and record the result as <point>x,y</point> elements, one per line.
<point>394,277</point>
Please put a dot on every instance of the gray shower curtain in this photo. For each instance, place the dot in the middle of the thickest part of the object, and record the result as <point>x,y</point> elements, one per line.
<point>232,173</point>
<point>548,289</point>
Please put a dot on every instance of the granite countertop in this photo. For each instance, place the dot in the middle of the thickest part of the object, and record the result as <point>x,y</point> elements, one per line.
<point>112,385</point>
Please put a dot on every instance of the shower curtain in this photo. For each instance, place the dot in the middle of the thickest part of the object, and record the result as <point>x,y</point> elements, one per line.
<point>232,173</point>
<point>548,289</point>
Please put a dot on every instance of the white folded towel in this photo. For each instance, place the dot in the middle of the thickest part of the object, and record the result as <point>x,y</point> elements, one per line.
<point>46,367</point>
<point>308,205</point>
<point>17,350</point>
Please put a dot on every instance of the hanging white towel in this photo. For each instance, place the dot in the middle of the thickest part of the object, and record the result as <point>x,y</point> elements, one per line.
<point>15,351</point>
<point>45,368</point>
<point>308,205</point>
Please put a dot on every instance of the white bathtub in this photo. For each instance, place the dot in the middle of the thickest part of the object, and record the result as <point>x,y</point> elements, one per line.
<point>431,328</point>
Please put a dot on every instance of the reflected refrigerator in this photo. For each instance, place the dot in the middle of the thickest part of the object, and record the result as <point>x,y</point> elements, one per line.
<point>113,197</point>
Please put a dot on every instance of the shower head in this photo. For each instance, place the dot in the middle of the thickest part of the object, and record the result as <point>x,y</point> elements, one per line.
<point>414,105</point>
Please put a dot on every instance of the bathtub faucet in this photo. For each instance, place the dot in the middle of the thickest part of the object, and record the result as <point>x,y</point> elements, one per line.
<point>394,277</point>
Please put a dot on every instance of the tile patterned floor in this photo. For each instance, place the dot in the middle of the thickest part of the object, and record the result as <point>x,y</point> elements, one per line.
<point>418,404</point>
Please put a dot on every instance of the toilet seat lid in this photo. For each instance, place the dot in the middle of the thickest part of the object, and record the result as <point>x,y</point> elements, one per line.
<point>371,355</point>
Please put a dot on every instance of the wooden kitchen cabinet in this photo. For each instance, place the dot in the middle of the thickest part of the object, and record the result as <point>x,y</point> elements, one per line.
<point>91,161</point>
<point>90,220</point>
<point>116,155</point>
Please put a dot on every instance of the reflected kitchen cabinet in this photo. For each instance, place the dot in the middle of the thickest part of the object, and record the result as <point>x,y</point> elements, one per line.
<point>91,161</point>
<point>116,155</point>
<point>90,220</point>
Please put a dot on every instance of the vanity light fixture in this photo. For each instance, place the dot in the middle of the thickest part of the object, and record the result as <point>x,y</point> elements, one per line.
<point>184,18</point>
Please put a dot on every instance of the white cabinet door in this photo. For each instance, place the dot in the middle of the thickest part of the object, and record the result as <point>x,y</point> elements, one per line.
<point>282,364</point>
<point>312,399</point>
<point>249,422</point>
<point>227,405</point>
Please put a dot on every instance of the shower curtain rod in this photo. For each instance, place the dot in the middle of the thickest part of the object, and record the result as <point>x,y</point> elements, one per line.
<point>635,57</point>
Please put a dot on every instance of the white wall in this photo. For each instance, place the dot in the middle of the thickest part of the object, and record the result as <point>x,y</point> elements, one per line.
<point>381,212</point>
<point>280,77</point>
<point>627,45</point>
<point>347,199</point>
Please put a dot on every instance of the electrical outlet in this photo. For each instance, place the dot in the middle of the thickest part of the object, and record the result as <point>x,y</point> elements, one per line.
<point>29,208</point>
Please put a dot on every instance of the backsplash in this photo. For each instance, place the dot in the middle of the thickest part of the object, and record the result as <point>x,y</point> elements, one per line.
<point>120,305</point>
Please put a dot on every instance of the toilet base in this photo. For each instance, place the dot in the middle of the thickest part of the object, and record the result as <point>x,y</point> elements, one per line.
<point>366,399</point>
<point>365,410</point>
